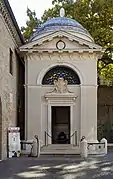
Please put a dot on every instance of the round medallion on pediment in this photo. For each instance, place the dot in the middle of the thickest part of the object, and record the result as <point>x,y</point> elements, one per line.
<point>60,45</point>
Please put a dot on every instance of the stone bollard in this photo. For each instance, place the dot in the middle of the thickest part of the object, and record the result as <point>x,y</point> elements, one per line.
<point>83,148</point>
<point>34,150</point>
<point>36,146</point>
<point>104,141</point>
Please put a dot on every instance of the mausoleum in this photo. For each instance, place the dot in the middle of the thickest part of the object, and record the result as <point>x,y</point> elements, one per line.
<point>61,82</point>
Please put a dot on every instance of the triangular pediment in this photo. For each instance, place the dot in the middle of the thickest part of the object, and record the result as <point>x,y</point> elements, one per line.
<point>54,45</point>
<point>58,41</point>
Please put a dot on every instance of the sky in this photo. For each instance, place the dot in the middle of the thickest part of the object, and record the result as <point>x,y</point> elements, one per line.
<point>19,8</point>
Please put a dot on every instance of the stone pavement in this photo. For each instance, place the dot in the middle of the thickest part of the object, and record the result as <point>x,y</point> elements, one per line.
<point>58,167</point>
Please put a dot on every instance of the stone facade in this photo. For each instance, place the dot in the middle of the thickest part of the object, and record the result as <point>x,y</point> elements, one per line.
<point>8,81</point>
<point>62,47</point>
<point>83,109</point>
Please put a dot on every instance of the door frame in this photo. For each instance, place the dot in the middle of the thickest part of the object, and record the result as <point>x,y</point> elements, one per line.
<point>60,99</point>
<point>49,121</point>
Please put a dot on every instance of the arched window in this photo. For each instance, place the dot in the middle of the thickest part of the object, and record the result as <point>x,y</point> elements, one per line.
<point>61,71</point>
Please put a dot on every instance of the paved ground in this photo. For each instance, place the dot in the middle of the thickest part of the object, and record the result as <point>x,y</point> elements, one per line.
<point>58,168</point>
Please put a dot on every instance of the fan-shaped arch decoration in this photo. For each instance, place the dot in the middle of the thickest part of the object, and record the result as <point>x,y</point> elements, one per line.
<point>61,71</point>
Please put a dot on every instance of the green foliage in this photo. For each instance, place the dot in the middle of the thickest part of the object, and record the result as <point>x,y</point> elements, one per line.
<point>32,23</point>
<point>97,18</point>
<point>106,73</point>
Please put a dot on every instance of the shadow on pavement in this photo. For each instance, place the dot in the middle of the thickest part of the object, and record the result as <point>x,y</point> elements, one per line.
<point>57,168</point>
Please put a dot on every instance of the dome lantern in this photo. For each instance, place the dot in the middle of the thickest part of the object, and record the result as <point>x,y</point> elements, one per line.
<point>62,12</point>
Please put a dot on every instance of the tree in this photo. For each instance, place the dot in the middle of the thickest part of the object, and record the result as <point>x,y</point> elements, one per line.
<point>97,17</point>
<point>32,23</point>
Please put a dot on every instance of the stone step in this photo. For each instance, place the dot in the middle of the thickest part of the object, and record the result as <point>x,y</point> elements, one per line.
<point>60,146</point>
<point>60,149</point>
<point>60,152</point>
<point>70,148</point>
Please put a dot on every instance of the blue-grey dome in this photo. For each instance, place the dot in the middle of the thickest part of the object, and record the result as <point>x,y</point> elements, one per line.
<point>59,23</point>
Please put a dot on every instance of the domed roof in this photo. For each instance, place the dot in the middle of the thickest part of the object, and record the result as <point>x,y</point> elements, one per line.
<point>59,23</point>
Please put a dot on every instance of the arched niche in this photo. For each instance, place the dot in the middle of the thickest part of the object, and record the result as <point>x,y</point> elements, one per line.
<point>61,71</point>
<point>44,71</point>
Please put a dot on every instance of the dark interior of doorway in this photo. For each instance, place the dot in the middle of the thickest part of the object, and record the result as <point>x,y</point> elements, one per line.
<point>60,124</point>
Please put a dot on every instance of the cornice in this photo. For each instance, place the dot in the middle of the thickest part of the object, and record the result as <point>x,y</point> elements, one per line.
<point>76,50</point>
<point>50,86</point>
<point>9,19</point>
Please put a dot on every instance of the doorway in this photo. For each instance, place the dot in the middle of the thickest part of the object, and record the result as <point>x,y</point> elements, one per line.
<point>60,124</point>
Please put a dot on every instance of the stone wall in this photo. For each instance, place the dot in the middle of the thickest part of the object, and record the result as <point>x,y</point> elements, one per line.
<point>0,128</point>
<point>105,112</point>
<point>8,84</point>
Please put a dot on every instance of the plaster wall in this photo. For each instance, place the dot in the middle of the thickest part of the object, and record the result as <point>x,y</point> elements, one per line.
<point>89,113</point>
